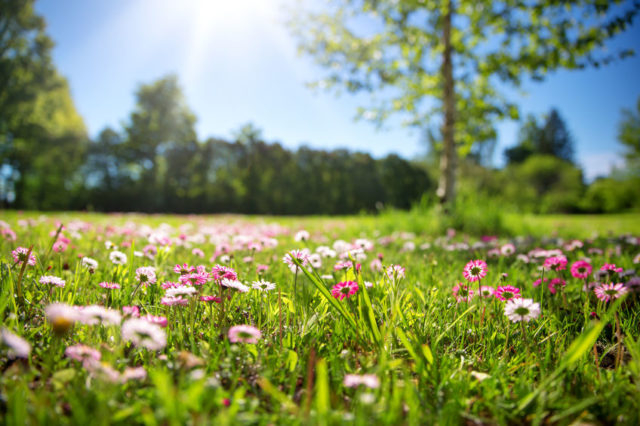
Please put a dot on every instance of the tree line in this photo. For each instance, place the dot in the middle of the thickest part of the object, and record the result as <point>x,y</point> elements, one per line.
<point>157,164</point>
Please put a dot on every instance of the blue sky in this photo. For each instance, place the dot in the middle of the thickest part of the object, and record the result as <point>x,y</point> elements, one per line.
<point>237,63</point>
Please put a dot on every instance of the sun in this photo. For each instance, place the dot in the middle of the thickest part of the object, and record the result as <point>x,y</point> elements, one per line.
<point>224,27</point>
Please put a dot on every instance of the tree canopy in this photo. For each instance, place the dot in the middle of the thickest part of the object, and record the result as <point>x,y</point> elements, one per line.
<point>439,63</point>
<point>550,137</point>
<point>629,136</point>
<point>40,129</point>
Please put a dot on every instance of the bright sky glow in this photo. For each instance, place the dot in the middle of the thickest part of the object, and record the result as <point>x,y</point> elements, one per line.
<point>237,63</point>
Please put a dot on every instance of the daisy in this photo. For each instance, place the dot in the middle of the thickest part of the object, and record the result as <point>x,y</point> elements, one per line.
<point>261,269</point>
<point>20,256</point>
<point>507,292</point>
<point>133,373</point>
<point>539,281</point>
<point>581,269</point>
<point>169,284</point>
<point>301,256</point>
<point>344,289</point>
<point>117,257</point>
<point>52,281</point>
<point>555,283</point>
<point>608,292</point>
<point>521,310</point>
<point>82,353</point>
<point>210,299</point>
<point>184,290</point>
<point>18,347</point>
<point>611,268</point>
<point>507,249</point>
<point>155,319</point>
<point>183,269</point>
<point>60,246</point>
<point>364,244</point>
<point>487,291</point>
<point>376,265</point>
<point>89,263</point>
<point>263,285</point>
<point>302,236</point>
<point>146,275</point>
<point>102,371</point>
<point>61,316</point>
<point>95,314</point>
<point>110,286</point>
<point>315,260</point>
<point>354,380</point>
<point>395,272</point>
<point>475,270</point>
<point>219,272</point>
<point>144,333</point>
<point>131,311</point>
<point>234,284</point>
<point>462,292</point>
<point>244,334</point>
<point>198,278</point>
<point>556,263</point>
<point>173,301</point>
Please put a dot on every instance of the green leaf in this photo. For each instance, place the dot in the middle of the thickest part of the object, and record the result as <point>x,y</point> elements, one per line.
<point>327,295</point>
<point>323,404</point>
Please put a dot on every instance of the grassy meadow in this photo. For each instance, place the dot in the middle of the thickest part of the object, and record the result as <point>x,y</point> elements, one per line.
<point>389,319</point>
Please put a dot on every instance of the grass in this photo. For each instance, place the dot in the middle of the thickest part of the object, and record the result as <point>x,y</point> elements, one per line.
<point>436,361</point>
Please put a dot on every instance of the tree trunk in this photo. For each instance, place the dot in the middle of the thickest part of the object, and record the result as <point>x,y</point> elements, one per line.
<point>449,156</point>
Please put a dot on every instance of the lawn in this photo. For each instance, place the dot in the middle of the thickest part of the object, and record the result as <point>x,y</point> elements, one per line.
<point>388,319</point>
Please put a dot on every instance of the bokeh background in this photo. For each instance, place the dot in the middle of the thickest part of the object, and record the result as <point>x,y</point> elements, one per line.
<point>287,107</point>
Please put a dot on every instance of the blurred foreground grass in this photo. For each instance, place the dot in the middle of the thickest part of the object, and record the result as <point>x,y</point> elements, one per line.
<point>420,222</point>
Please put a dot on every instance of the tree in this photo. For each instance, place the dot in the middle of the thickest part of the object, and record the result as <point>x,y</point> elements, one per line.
<point>552,137</point>
<point>629,136</point>
<point>412,52</point>
<point>161,127</point>
<point>40,128</point>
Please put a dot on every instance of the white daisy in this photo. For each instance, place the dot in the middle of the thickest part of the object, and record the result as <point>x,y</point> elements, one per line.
<point>521,310</point>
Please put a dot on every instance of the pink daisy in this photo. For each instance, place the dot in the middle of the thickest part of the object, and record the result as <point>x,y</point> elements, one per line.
<point>395,272</point>
<point>146,275</point>
<point>507,292</point>
<point>20,256</point>
<point>183,269</point>
<point>462,292</point>
<point>537,282</point>
<point>244,334</point>
<point>344,289</point>
<point>555,283</point>
<point>210,299</point>
<point>354,380</point>
<point>131,311</point>
<point>581,269</point>
<point>608,292</point>
<point>611,268</point>
<point>194,278</point>
<point>155,319</point>
<point>301,256</point>
<point>555,263</point>
<point>110,286</point>
<point>82,353</point>
<point>487,291</point>
<point>172,301</point>
<point>219,272</point>
<point>475,270</point>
